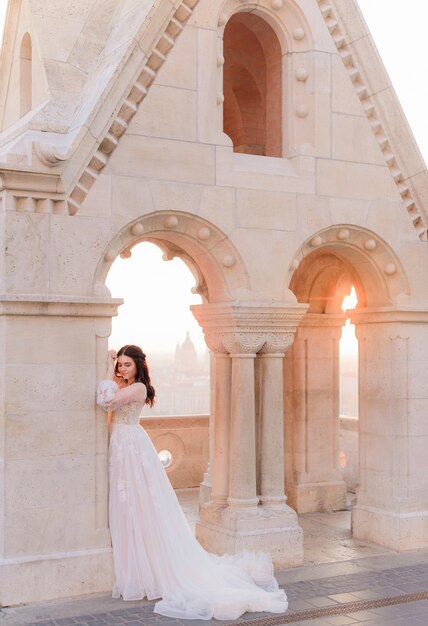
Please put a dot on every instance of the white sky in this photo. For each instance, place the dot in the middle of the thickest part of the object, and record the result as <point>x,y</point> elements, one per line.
<point>157,294</point>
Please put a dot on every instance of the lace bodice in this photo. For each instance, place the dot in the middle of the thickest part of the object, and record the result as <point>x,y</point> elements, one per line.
<point>125,403</point>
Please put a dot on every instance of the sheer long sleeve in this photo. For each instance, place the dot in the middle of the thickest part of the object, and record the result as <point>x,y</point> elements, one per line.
<point>110,397</point>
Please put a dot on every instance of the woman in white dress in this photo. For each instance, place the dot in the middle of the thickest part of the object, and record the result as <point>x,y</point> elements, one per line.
<point>155,553</point>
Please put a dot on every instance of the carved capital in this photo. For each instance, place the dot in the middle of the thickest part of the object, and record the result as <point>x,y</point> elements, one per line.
<point>215,344</point>
<point>277,343</point>
<point>243,342</point>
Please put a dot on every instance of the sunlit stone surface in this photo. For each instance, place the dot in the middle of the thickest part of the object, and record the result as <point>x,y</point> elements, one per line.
<point>113,122</point>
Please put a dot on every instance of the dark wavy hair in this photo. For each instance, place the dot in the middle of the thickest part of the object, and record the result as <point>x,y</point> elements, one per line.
<point>142,375</point>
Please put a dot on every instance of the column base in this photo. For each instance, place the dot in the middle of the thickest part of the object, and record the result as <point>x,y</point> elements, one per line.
<point>405,531</point>
<point>50,577</point>
<point>317,497</point>
<point>204,493</point>
<point>225,530</point>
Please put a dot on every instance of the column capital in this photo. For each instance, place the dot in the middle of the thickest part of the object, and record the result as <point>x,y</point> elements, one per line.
<point>248,328</point>
<point>277,344</point>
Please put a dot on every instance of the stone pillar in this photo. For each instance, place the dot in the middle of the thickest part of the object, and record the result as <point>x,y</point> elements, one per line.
<point>206,484</point>
<point>313,478</point>
<point>238,521</point>
<point>54,536</point>
<point>271,480</point>
<point>392,497</point>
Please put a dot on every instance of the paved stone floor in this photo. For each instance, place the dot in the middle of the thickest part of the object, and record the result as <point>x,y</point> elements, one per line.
<point>343,582</point>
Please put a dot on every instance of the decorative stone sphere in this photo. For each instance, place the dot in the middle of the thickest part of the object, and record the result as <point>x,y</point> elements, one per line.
<point>298,34</point>
<point>110,255</point>
<point>220,60</point>
<point>370,244</point>
<point>315,241</point>
<point>137,229</point>
<point>171,221</point>
<point>126,254</point>
<point>302,74</point>
<point>222,19</point>
<point>277,4</point>
<point>343,234</point>
<point>204,233</point>
<point>302,110</point>
<point>294,265</point>
<point>390,269</point>
<point>220,98</point>
<point>228,260</point>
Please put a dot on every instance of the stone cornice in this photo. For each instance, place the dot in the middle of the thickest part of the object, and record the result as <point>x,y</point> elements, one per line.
<point>95,151</point>
<point>410,191</point>
<point>382,315</point>
<point>58,306</point>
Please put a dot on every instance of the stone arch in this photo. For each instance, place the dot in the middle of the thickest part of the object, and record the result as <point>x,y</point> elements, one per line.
<point>252,85</point>
<point>321,274</point>
<point>220,274</point>
<point>25,75</point>
<point>281,26</point>
<point>326,263</point>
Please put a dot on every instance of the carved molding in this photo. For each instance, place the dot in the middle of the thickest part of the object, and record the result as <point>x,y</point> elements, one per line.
<point>379,127</point>
<point>277,343</point>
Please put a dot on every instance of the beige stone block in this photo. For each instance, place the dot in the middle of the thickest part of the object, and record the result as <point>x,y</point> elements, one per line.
<point>76,247</point>
<point>266,210</point>
<point>50,528</point>
<point>367,57</point>
<point>206,16</point>
<point>27,251</point>
<point>399,134</point>
<point>78,11</point>
<point>210,121</point>
<point>218,204</point>
<point>67,575</point>
<point>164,159</point>
<point>50,388</point>
<point>59,35</point>
<point>418,381</point>
<point>390,529</point>
<point>169,196</point>
<point>352,19</point>
<point>42,433</point>
<point>98,202</point>
<point>131,197</point>
<point>54,482</point>
<point>355,180</point>
<point>353,140</point>
<point>260,172</point>
<point>323,126</point>
<point>345,211</point>
<point>386,218</point>
<point>344,98</point>
<point>312,214</point>
<point>274,245</point>
<point>167,112</point>
<point>181,68</point>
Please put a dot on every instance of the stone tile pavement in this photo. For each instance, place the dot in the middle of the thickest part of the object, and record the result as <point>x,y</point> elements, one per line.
<point>333,594</point>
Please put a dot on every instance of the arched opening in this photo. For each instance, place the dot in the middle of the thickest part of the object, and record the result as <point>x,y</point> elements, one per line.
<point>156,315</point>
<point>252,86</point>
<point>329,266</point>
<point>25,75</point>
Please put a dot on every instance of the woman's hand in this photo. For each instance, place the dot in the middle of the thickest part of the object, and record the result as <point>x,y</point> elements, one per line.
<point>112,354</point>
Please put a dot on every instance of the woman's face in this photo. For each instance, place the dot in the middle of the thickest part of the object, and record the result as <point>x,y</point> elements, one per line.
<point>126,368</point>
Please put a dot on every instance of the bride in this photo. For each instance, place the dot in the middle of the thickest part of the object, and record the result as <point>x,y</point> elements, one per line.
<point>155,554</point>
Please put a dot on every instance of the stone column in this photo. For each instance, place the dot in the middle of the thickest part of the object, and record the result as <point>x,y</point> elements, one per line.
<point>238,522</point>
<point>271,479</point>
<point>313,478</point>
<point>392,497</point>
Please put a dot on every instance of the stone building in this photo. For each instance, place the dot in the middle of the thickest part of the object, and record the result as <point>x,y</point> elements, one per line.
<point>261,142</point>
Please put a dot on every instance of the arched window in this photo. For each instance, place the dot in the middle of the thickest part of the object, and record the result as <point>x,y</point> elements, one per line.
<point>25,75</point>
<point>252,86</point>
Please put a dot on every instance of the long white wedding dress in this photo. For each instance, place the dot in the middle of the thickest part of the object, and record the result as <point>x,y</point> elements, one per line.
<point>155,553</point>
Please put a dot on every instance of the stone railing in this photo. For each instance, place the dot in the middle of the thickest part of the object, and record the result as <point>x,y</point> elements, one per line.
<point>186,439</point>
